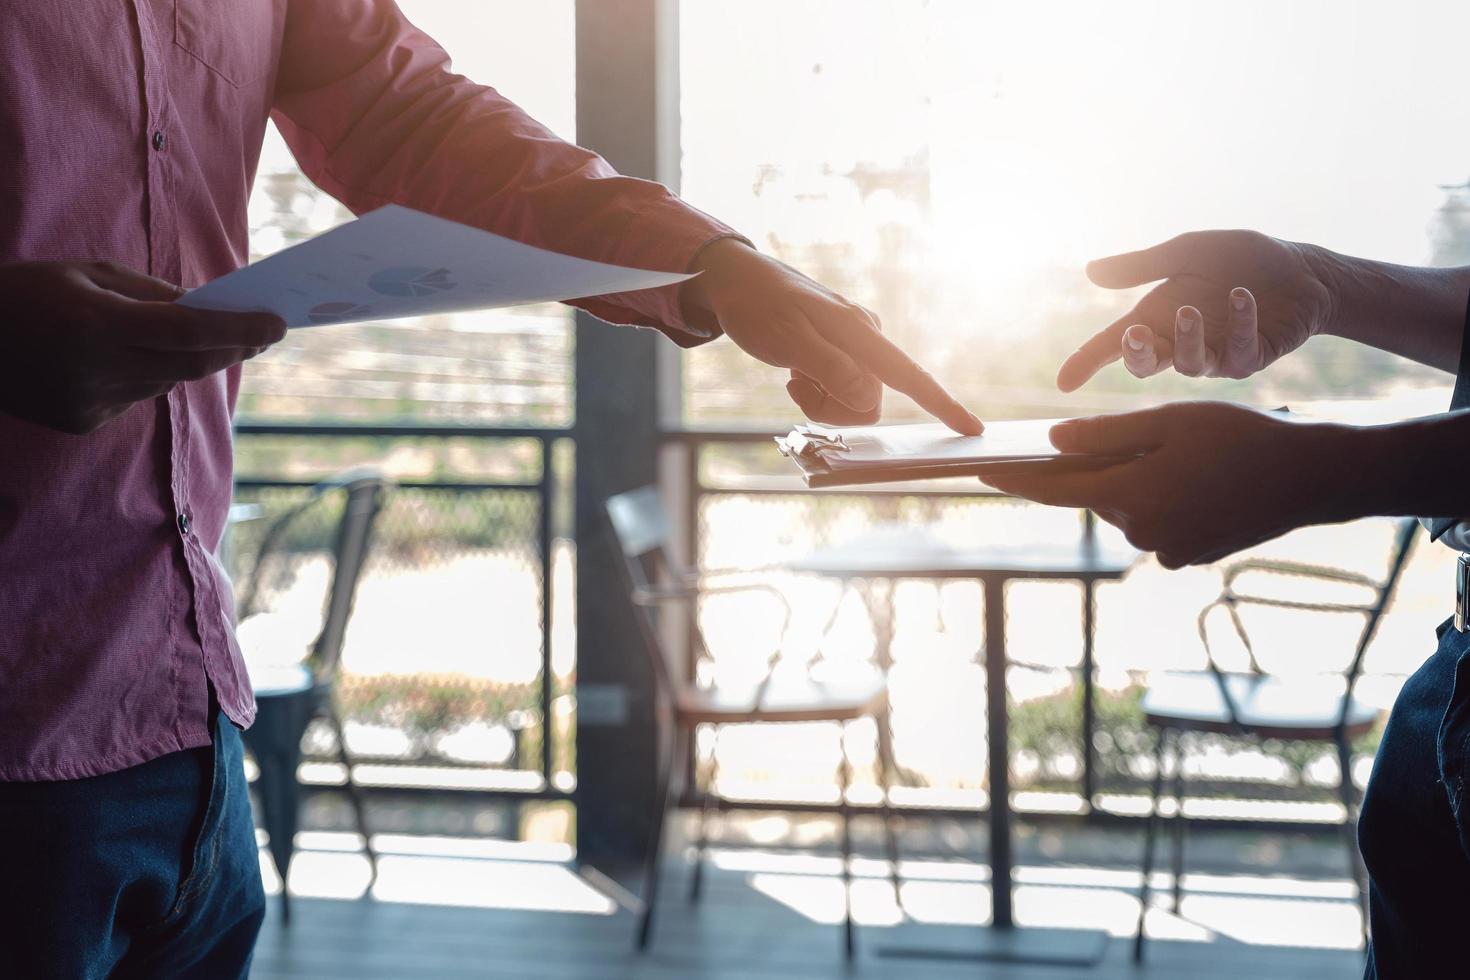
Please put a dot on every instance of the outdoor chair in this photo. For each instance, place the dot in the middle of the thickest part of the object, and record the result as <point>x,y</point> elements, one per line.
<point>290,694</point>
<point>1257,705</point>
<point>654,582</point>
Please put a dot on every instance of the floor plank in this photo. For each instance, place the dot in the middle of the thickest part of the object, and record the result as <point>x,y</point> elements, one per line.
<point>768,917</point>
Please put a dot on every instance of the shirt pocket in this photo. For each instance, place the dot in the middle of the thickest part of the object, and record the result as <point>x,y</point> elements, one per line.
<point>232,38</point>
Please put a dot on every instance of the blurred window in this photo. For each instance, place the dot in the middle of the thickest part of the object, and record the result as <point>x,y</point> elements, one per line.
<point>953,164</point>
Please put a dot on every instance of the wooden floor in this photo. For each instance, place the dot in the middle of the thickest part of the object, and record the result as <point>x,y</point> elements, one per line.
<point>520,911</point>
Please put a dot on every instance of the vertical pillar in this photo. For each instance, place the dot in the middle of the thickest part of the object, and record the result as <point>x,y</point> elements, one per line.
<point>626,66</point>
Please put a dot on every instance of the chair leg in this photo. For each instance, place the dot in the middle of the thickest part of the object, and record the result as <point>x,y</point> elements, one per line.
<point>1349,794</point>
<point>696,878</point>
<point>277,800</point>
<point>275,742</point>
<point>1151,830</point>
<point>653,861</point>
<point>849,940</point>
<point>886,772</point>
<point>354,794</point>
<point>1179,825</point>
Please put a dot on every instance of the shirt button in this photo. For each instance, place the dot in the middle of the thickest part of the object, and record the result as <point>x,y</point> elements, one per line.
<point>159,139</point>
<point>185,524</point>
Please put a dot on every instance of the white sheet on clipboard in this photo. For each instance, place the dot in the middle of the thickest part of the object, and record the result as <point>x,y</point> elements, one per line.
<point>871,447</point>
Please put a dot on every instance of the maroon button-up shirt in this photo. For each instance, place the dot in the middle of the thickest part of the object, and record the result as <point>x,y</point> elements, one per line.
<point>130,132</point>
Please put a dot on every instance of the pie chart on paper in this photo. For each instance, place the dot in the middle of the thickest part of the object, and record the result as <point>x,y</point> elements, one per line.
<point>339,312</point>
<point>411,281</point>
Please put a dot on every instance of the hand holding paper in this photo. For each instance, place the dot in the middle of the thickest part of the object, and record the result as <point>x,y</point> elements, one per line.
<point>1192,481</point>
<point>1205,480</point>
<point>84,341</point>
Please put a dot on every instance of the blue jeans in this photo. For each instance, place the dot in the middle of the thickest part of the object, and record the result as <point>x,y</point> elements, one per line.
<point>148,872</point>
<point>1414,830</point>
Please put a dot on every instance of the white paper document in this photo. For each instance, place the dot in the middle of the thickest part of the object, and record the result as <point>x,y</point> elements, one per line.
<point>397,262</point>
<point>935,444</point>
<point>829,457</point>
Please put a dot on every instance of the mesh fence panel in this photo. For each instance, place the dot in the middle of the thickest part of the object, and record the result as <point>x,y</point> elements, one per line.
<point>442,662</point>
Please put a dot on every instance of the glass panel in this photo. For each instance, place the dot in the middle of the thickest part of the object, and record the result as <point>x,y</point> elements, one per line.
<point>507,366</point>
<point>953,164</point>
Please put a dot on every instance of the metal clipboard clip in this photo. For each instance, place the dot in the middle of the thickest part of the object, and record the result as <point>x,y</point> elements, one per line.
<point>810,442</point>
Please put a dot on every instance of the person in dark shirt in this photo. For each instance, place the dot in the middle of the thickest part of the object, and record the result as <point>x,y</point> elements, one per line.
<point>1212,478</point>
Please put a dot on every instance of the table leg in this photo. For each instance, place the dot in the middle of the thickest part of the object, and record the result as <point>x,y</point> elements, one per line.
<point>1002,941</point>
<point>998,734</point>
<point>878,597</point>
<point>1089,692</point>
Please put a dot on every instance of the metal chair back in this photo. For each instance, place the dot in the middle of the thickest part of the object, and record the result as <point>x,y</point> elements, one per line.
<point>1382,590</point>
<point>1408,531</point>
<point>641,532</point>
<point>363,491</point>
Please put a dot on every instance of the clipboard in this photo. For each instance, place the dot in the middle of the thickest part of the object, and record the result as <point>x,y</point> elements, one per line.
<point>868,454</point>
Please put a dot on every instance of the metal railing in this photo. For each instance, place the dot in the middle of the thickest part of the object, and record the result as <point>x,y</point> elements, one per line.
<point>698,490</point>
<point>432,521</point>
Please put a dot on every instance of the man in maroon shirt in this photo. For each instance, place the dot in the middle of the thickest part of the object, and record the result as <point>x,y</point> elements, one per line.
<point>129,136</point>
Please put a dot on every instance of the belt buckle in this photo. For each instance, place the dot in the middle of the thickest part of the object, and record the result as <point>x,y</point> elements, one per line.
<point>1462,593</point>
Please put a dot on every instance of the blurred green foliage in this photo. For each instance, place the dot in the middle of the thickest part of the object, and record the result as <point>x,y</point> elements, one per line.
<point>1049,729</point>
<point>426,707</point>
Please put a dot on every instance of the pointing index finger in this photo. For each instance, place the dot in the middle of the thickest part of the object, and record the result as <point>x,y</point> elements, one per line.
<point>1100,350</point>
<point>902,373</point>
<point>1145,265</point>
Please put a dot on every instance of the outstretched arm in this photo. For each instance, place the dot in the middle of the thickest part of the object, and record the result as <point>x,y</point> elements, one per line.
<point>1414,312</point>
<point>374,115</point>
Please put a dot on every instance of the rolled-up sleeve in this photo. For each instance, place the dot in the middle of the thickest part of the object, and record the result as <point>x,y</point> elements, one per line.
<point>374,115</point>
